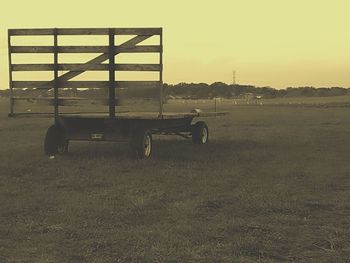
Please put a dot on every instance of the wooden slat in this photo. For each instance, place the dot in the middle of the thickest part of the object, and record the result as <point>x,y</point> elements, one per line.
<point>30,32</point>
<point>85,84</point>
<point>105,31</point>
<point>32,67</point>
<point>136,84</point>
<point>86,49</point>
<point>32,84</point>
<point>84,67</point>
<point>49,98</point>
<point>61,49</point>
<point>67,84</point>
<point>137,67</point>
<point>92,67</point>
<point>62,101</point>
<point>84,31</point>
<point>137,31</point>
<point>49,114</point>
<point>32,49</point>
<point>83,49</point>
<point>83,103</point>
<point>139,49</point>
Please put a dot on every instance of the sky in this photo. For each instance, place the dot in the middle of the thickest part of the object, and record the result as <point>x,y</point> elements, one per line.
<point>277,43</point>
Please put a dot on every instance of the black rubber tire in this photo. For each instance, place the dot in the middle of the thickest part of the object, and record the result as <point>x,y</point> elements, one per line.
<point>200,133</point>
<point>55,142</point>
<point>141,144</point>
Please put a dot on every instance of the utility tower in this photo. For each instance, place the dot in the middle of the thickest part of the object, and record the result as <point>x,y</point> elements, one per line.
<point>234,77</point>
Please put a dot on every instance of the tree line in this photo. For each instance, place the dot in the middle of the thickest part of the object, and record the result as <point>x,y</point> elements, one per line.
<point>223,90</point>
<point>203,91</point>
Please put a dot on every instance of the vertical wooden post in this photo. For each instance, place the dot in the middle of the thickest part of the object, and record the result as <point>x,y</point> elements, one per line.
<point>11,114</point>
<point>161,76</point>
<point>111,74</point>
<point>55,72</point>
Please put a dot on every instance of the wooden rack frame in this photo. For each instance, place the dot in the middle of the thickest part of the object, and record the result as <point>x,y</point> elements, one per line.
<point>108,52</point>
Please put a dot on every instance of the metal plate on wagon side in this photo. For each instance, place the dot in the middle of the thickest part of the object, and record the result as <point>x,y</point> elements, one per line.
<point>97,136</point>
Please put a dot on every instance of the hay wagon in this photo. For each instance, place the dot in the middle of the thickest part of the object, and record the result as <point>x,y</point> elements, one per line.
<point>118,120</point>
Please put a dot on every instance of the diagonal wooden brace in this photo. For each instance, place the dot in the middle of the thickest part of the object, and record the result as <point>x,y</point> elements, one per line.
<point>101,58</point>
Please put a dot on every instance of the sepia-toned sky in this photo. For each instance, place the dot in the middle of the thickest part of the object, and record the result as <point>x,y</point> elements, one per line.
<point>276,43</point>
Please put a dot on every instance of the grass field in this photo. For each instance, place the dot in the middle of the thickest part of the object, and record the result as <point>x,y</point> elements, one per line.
<point>273,185</point>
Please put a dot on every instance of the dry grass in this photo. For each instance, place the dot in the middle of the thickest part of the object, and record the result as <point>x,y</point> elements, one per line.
<point>273,185</point>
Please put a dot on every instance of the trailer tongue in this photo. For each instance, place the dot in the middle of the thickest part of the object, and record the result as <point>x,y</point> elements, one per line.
<point>122,122</point>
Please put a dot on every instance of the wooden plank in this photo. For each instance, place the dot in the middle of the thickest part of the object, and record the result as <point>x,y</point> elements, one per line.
<point>50,114</point>
<point>49,98</point>
<point>85,67</point>
<point>61,49</point>
<point>83,49</point>
<point>30,32</point>
<point>105,31</point>
<point>61,31</point>
<point>139,49</point>
<point>82,103</point>
<point>84,31</point>
<point>136,84</point>
<point>137,31</point>
<point>137,67</point>
<point>32,67</point>
<point>32,49</point>
<point>62,101</point>
<point>62,84</point>
<point>85,84</point>
<point>32,84</point>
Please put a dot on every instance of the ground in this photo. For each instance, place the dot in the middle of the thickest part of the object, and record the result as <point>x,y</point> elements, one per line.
<point>273,185</point>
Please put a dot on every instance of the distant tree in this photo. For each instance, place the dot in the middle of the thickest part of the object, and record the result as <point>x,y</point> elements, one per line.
<point>337,91</point>
<point>4,93</point>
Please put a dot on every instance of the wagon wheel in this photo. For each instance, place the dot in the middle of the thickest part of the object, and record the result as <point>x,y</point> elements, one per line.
<point>141,144</point>
<point>200,133</point>
<point>63,147</point>
<point>55,141</point>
